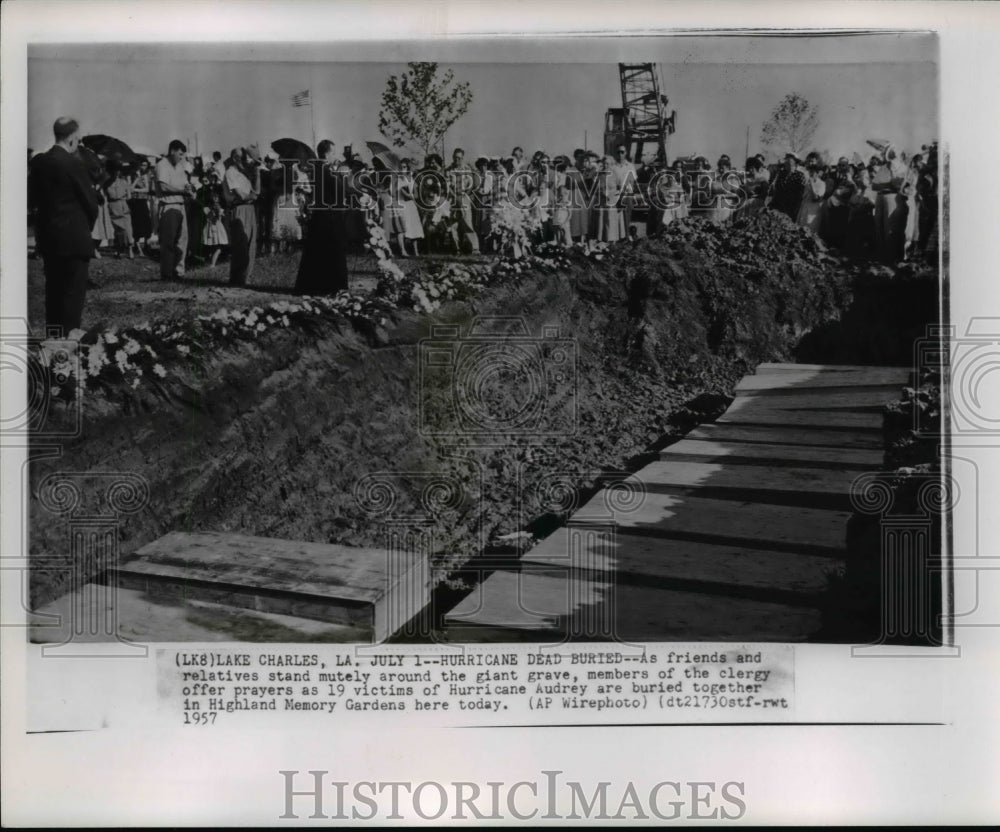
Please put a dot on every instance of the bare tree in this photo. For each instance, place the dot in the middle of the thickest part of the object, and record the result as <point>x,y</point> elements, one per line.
<point>792,125</point>
<point>419,106</point>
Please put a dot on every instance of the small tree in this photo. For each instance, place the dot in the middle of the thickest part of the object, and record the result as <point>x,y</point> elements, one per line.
<point>792,125</point>
<point>418,107</point>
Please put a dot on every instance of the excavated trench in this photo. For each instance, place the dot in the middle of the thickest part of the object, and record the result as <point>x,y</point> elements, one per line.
<point>300,435</point>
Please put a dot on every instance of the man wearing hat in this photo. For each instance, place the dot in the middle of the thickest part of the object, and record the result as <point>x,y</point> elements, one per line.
<point>240,189</point>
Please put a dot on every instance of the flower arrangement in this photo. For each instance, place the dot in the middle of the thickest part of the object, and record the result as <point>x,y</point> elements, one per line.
<point>146,353</point>
<point>378,245</point>
<point>425,291</point>
<point>512,228</point>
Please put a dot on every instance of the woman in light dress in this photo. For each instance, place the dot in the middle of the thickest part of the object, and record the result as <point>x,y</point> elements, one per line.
<point>118,190</point>
<point>724,189</point>
<point>811,209</point>
<point>608,224</point>
<point>909,192</point>
<point>288,209</point>
<point>411,227</point>
<point>103,231</point>
<point>139,207</point>
<point>561,206</point>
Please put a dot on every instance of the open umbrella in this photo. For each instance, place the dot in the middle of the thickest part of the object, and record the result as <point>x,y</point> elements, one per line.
<point>110,148</point>
<point>293,149</point>
<point>382,157</point>
<point>95,167</point>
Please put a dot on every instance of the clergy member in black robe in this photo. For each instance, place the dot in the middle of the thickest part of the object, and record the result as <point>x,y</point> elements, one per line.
<point>323,267</point>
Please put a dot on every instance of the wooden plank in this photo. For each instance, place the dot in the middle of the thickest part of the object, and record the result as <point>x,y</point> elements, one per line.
<point>854,398</point>
<point>772,367</point>
<point>752,413</point>
<point>725,569</point>
<point>817,487</point>
<point>553,607</point>
<point>838,438</point>
<point>770,453</point>
<point>819,381</point>
<point>782,528</point>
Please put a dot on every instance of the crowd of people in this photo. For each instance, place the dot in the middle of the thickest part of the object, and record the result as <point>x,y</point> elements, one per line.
<point>885,209</point>
<point>245,205</point>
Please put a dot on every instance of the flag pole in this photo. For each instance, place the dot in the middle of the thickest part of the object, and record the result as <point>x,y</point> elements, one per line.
<point>312,118</point>
<point>312,108</point>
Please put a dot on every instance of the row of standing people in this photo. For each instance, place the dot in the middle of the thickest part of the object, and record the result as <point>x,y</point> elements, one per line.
<point>128,204</point>
<point>886,209</point>
<point>461,208</point>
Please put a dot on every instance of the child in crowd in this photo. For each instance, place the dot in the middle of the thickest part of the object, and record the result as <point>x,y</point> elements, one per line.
<point>214,236</point>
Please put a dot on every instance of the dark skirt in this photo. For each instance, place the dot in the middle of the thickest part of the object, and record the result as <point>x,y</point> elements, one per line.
<point>142,223</point>
<point>323,267</point>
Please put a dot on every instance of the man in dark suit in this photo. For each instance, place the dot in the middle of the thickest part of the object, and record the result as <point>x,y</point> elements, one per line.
<point>65,205</point>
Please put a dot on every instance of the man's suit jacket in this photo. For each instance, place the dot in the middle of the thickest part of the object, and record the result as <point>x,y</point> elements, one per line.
<point>61,194</point>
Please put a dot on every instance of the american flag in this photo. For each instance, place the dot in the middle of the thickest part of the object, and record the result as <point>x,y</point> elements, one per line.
<point>301,99</point>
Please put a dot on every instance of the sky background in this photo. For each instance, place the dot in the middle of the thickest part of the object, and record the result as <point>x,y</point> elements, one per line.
<point>538,94</point>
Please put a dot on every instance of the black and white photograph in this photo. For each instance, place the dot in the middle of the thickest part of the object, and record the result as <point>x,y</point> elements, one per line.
<point>553,378</point>
<point>369,350</point>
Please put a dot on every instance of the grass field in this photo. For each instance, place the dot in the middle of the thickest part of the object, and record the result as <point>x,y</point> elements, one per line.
<point>126,292</point>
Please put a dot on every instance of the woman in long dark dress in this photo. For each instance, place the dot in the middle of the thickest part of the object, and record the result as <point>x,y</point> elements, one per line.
<point>323,267</point>
<point>138,206</point>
